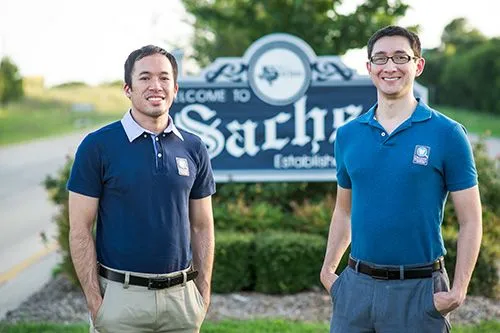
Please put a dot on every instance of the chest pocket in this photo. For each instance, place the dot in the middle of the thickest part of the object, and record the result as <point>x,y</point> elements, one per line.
<point>180,172</point>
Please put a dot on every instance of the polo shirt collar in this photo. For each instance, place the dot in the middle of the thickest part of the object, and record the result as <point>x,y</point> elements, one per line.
<point>422,112</point>
<point>134,130</point>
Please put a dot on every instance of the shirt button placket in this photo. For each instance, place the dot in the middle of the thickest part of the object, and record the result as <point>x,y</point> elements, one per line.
<point>160,154</point>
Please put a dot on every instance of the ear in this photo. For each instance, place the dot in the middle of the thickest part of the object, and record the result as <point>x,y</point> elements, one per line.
<point>127,90</point>
<point>420,67</point>
<point>176,89</point>
<point>368,66</point>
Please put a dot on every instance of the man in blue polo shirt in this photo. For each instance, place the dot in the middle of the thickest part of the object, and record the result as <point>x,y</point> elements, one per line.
<point>149,184</point>
<point>396,165</point>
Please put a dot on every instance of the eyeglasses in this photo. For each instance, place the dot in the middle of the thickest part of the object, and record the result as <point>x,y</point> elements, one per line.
<point>399,59</point>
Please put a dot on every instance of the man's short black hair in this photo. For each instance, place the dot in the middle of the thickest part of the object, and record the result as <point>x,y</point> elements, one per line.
<point>144,52</point>
<point>393,30</point>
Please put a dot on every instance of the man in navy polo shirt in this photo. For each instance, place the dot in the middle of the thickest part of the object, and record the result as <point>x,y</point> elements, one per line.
<point>396,165</point>
<point>149,184</point>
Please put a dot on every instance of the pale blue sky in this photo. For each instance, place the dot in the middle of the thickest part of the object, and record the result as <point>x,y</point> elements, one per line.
<point>69,40</point>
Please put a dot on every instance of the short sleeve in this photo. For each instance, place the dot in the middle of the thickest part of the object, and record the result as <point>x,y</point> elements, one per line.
<point>204,184</point>
<point>86,176</point>
<point>343,178</point>
<point>459,167</point>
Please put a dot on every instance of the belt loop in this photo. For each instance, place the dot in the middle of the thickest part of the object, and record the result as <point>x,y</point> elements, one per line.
<point>357,266</point>
<point>401,272</point>
<point>184,278</point>
<point>127,280</point>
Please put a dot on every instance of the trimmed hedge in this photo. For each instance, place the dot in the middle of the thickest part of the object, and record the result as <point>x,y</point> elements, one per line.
<point>288,262</point>
<point>233,262</point>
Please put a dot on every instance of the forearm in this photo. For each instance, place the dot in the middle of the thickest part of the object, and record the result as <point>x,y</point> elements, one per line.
<point>468,244</point>
<point>83,255</point>
<point>339,238</point>
<point>202,245</point>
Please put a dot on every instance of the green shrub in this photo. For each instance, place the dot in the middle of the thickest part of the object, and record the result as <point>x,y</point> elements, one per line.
<point>241,216</point>
<point>311,217</point>
<point>279,194</point>
<point>485,279</point>
<point>233,265</point>
<point>287,262</point>
<point>56,187</point>
<point>307,217</point>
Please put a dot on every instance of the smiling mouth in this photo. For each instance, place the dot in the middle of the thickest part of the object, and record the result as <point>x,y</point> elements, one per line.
<point>155,99</point>
<point>391,78</point>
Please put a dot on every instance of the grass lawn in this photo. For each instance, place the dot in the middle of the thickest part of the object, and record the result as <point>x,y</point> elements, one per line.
<point>235,326</point>
<point>49,112</point>
<point>476,122</point>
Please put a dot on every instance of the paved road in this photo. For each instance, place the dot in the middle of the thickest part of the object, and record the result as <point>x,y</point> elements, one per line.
<point>25,212</point>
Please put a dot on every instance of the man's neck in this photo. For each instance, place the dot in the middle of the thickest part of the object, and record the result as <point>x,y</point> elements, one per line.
<point>396,109</point>
<point>152,124</point>
<point>391,113</point>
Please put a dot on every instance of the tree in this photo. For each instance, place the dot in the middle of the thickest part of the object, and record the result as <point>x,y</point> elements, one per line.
<point>11,83</point>
<point>470,78</point>
<point>459,71</point>
<point>228,27</point>
<point>459,35</point>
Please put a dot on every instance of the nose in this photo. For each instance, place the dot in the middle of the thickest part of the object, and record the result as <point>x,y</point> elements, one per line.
<point>155,84</point>
<point>390,66</point>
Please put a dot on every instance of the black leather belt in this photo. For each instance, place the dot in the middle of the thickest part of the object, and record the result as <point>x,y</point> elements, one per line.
<point>382,273</point>
<point>151,283</point>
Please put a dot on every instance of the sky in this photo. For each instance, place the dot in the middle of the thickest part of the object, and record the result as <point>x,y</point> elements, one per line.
<point>70,40</point>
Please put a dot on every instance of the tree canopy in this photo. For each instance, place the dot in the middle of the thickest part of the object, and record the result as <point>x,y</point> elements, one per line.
<point>459,35</point>
<point>11,83</point>
<point>228,27</point>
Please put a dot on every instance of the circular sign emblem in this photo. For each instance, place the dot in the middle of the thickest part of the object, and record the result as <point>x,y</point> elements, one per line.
<point>279,73</point>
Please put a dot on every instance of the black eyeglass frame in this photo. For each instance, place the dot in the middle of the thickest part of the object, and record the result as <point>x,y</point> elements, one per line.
<point>408,59</point>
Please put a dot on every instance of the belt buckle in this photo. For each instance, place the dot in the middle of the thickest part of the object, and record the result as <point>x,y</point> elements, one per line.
<point>380,274</point>
<point>159,283</point>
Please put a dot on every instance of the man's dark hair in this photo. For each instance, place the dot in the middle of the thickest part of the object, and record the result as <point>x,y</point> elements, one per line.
<point>144,52</point>
<point>393,30</point>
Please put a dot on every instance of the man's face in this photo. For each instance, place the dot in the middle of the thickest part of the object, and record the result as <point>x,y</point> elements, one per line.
<point>153,89</point>
<point>394,80</point>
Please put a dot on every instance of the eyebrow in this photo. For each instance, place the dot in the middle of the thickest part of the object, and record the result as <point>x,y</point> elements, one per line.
<point>395,52</point>
<point>149,73</point>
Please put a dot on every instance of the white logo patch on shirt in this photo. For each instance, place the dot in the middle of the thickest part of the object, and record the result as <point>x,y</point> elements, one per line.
<point>182,166</point>
<point>421,155</point>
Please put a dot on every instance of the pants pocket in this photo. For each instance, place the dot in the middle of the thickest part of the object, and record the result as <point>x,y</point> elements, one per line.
<point>199,297</point>
<point>105,292</point>
<point>335,286</point>
<point>438,283</point>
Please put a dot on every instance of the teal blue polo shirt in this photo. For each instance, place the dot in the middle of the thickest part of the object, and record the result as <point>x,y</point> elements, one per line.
<point>400,183</point>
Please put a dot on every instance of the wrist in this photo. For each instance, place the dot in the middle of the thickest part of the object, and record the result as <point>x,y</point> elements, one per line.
<point>458,294</point>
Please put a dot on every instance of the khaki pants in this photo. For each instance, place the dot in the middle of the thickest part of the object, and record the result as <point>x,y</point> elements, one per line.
<point>127,309</point>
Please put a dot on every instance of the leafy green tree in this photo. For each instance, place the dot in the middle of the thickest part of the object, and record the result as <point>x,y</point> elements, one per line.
<point>451,72</point>
<point>470,78</point>
<point>11,83</point>
<point>228,27</point>
<point>459,35</point>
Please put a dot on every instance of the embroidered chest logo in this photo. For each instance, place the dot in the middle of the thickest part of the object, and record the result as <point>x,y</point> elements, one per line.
<point>421,155</point>
<point>182,166</point>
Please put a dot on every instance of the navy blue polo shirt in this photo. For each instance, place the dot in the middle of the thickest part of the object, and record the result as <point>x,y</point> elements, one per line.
<point>144,182</point>
<point>400,183</point>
